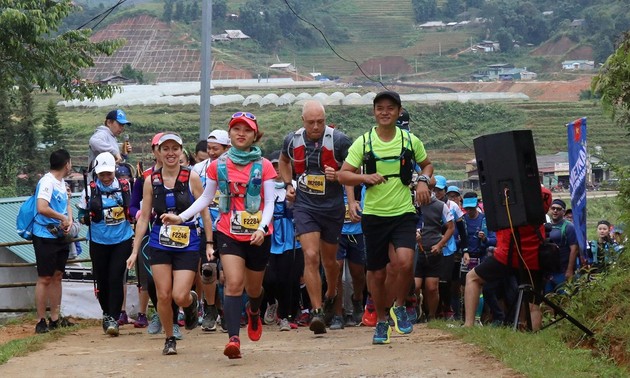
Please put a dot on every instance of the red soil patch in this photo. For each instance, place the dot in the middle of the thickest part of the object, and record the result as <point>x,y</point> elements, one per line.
<point>390,65</point>
<point>560,47</point>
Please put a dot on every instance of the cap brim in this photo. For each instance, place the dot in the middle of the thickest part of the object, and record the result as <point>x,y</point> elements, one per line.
<point>249,122</point>
<point>101,169</point>
<point>470,202</point>
<point>381,96</point>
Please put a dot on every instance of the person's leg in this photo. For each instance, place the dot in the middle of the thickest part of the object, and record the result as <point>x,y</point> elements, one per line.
<point>163,278</point>
<point>41,295</point>
<point>233,268</point>
<point>118,255</point>
<point>331,267</point>
<point>431,296</point>
<point>310,246</point>
<point>472,291</point>
<point>99,254</point>
<point>376,282</point>
<point>404,264</point>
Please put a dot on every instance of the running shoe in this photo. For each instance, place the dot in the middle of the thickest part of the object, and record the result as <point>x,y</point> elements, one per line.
<point>350,321</point>
<point>141,321</point>
<point>170,346</point>
<point>155,326</point>
<point>112,327</point>
<point>223,324</point>
<point>123,319</point>
<point>210,315</point>
<point>412,314</point>
<point>190,312</point>
<point>317,322</point>
<point>254,324</point>
<point>304,319</point>
<point>271,313</point>
<point>180,318</point>
<point>177,333</point>
<point>369,315</point>
<point>233,348</point>
<point>399,317</point>
<point>336,323</point>
<point>381,333</point>
<point>329,309</point>
<point>42,326</point>
<point>285,325</point>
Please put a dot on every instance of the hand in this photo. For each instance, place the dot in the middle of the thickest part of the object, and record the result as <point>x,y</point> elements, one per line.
<point>210,252</point>
<point>330,173</point>
<point>482,236</point>
<point>355,212</point>
<point>168,219</point>
<point>466,258</point>
<point>419,236</point>
<point>436,249</point>
<point>373,179</point>
<point>132,259</point>
<point>258,237</point>
<point>290,195</point>
<point>67,226</point>
<point>423,194</point>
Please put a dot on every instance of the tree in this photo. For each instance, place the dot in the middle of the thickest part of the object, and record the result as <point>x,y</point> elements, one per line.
<point>612,83</point>
<point>167,14</point>
<point>504,37</point>
<point>30,54</point>
<point>179,11</point>
<point>52,134</point>
<point>425,10</point>
<point>219,9</point>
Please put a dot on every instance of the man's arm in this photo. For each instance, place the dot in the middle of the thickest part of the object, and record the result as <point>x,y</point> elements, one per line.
<point>572,256</point>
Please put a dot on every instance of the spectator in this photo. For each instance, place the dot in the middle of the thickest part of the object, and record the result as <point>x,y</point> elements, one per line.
<point>507,261</point>
<point>312,156</point>
<point>245,181</point>
<point>104,138</point>
<point>389,216</point>
<point>603,251</point>
<point>52,223</point>
<point>563,234</point>
<point>174,250</point>
<point>201,151</point>
<point>110,237</point>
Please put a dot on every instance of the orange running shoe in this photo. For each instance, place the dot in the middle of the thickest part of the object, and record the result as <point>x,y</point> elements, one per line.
<point>369,315</point>
<point>254,325</point>
<point>233,348</point>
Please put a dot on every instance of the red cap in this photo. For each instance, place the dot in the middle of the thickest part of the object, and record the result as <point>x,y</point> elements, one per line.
<point>156,139</point>
<point>243,119</point>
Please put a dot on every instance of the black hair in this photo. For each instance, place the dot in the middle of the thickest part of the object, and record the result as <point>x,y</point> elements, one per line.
<point>202,145</point>
<point>58,159</point>
<point>470,195</point>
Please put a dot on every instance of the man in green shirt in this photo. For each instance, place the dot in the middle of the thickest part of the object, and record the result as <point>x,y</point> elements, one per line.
<point>388,157</point>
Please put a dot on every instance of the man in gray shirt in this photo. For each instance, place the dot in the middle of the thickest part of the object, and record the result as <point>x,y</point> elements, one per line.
<point>104,138</point>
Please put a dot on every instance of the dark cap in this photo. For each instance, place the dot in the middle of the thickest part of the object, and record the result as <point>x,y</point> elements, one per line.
<point>560,203</point>
<point>403,120</point>
<point>118,115</point>
<point>390,95</point>
<point>274,157</point>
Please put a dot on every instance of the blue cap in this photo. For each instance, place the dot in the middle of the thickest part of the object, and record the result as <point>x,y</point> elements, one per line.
<point>440,182</point>
<point>453,188</point>
<point>119,116</point>
<point>470,202</point>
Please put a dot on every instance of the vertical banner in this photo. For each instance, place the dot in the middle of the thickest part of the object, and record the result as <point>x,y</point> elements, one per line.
<point>578,168</point>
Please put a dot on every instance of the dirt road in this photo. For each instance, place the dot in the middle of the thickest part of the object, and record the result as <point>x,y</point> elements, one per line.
<point>298,353</point>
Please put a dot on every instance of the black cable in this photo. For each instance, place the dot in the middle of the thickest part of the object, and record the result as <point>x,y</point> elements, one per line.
<point>331,47</point>
<point>104,14</point>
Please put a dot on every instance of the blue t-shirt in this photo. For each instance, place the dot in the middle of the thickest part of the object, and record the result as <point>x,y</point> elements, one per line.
<point>283,237</point>
<point>158,231</point>
<point>350,228</point>
<point>55,193</point>
<point>451,245</point>
<point>114,228</point>
<point>477,248</point>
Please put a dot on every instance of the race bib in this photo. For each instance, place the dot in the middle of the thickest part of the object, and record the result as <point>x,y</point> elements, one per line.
<point>312,184</point>
<point>244,223</point>
<point>175,236</point>
<point>114,216</point>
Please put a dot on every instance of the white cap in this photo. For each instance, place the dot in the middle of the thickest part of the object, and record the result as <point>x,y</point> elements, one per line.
<point>104,162</point>
<point>170,136</point>
<point>220,136</point>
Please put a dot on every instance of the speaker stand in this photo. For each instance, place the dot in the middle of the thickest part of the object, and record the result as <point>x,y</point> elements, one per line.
<point>526,291</point>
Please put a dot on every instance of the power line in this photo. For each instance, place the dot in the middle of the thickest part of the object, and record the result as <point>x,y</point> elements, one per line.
<point>331,47</point>
<point>103,14</point>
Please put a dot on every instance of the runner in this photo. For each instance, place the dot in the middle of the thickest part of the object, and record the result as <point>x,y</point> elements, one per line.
<point>387,154</point>
<point>174,255</point>
<point>243,177</point>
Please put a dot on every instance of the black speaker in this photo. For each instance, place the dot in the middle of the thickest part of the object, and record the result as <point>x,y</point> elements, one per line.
<point>507,168</point>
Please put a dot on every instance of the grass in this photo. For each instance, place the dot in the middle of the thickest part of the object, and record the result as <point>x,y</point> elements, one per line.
<point>24,346</point>
<point>534,355</point>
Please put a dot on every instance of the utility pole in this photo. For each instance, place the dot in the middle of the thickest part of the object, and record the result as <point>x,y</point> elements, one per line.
<point>206,69</point>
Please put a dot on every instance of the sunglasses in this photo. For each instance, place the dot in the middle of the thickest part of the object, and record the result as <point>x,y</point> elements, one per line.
<point>244,114</point>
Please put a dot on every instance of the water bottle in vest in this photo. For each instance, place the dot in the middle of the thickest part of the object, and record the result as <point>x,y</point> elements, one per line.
<point>224,191</point>
<point>252,199</point>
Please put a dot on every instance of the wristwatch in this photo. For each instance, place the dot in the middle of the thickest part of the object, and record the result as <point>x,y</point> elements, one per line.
<point>286,184</point>
<point>424,178</point>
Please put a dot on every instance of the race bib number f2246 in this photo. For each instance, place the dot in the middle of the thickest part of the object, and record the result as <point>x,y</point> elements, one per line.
<point>174,236</point>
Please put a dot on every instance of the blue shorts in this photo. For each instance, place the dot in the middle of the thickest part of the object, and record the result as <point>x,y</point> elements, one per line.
<point>352,247</point>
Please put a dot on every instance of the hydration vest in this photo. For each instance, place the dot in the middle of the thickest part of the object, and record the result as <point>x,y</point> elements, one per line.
<point>327,155</point>
<point>180,191</point>
<point>406,158</point>
<point>95,203</point>
<point>251,188</point>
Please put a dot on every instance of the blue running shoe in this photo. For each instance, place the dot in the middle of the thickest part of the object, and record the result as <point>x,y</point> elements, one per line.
<point>381,333</point>
<point>177,334</point>
<point>399,317</point>
<point>155,326</point>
